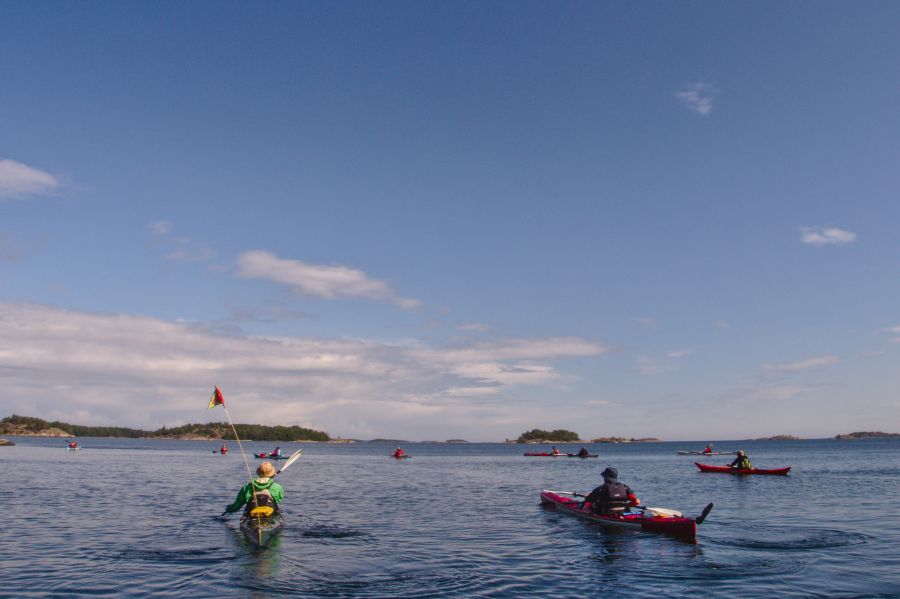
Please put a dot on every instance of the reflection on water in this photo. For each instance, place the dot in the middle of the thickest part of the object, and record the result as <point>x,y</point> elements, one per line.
<point>138,518</point>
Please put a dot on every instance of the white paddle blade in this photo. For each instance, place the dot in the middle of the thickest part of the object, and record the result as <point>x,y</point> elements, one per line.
<point>290,461</point>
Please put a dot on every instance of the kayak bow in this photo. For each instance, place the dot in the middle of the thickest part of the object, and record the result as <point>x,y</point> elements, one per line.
<point>660,521</point>
<point>730,470</point>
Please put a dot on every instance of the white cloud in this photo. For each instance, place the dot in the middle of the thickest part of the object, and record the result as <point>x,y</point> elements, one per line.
<point>680,353</point>
<point>698,97</point>
<point>646,321</point>
<point>141,371</point>
<point>18,180</point>
<point>160,227</point>
<point>818,236</point>
<point>723,324</point>
<point>328,282</point>
<point>814,362</point>
<point>597,402</point>
<point>895,329</point>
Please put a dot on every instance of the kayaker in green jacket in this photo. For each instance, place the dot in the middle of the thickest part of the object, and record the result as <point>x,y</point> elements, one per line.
<point>741,462</point>
<point>260,492</point>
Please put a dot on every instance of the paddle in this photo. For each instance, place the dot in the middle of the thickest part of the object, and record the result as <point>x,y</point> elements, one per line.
<point>294,457</point>
<point>653,510</point>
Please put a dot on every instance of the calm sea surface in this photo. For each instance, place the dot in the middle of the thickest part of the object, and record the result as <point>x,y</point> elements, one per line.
<point>138,518</point>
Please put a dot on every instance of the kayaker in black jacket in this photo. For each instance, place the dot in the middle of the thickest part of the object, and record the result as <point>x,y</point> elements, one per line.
<point>741,462</point>
<point>612,497</point>
<point>583,452</point>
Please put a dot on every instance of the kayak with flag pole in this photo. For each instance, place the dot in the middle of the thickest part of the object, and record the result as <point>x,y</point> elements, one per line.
<point>262,520</point>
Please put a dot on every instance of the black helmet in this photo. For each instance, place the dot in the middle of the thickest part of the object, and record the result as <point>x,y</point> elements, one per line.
<point>610,473</point>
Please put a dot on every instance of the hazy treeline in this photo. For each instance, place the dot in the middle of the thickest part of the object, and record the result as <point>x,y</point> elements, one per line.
<point>216,430</point>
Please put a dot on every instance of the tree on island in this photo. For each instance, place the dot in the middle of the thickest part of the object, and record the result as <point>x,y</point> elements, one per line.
<point>213,430</point>
<point>557,436</point>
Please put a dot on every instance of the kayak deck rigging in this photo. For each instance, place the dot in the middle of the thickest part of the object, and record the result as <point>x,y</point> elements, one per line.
<point>661,522</point>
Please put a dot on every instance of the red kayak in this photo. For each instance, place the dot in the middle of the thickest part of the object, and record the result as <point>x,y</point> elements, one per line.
<point>672,525</point>
<point>730,470</point>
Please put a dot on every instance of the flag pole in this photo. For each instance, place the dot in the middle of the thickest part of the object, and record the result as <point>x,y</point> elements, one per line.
<point>218,400</point>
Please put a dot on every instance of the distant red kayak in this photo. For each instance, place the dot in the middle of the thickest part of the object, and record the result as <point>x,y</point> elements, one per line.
<point>730,470</point>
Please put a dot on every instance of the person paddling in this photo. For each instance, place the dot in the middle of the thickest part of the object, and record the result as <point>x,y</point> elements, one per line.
<point>398,453</point>
<point>741,462</point>
<point>73,445</point>
<point>224,449</point>
<point>555,451</point>
<point>276,453</point>
<point>708,448</point>
<point>612,497</point>
<point>263,491</point>
<point>583,452</point>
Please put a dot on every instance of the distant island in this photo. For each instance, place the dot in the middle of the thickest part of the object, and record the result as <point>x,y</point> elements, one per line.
<point>539,436</point>
<point>36,427</point>
<point>624,440</point>
<point>866,435</point>
<point>779,438</point>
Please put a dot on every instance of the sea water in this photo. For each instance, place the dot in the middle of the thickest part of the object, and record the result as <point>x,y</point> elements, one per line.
<point>125,517</point>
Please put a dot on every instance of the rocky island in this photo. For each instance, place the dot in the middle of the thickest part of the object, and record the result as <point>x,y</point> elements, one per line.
<point>866,435</point>
<point>779,438</point>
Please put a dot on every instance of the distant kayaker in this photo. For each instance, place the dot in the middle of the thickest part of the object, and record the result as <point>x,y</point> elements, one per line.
<point>741,462</point>
<point>555,451</point>
<point>612,497</point>
<point>583,452</point>
<point>263,491</point>
<point>276,453</point>
<point>72,444</point>
<point>398,453</point>
<point>708,448</point>
<point>224,449</point>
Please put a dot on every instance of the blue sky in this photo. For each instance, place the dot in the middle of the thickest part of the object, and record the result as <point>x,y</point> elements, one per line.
<point>457,220</point>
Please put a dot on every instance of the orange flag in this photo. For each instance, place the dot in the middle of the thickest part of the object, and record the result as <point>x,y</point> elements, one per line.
<point>216,399</point>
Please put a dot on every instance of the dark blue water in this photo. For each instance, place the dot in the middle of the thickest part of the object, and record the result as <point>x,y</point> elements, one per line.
<point>137,518</point>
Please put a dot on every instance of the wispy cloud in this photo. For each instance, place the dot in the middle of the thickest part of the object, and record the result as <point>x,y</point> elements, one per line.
<point>19,180</point>
<point>317,280</point>
<point>780,392</point>
<point>698,97</point>
<point>723,324</point>
<point>895,329</point>
<point>646,321</point>
<point>819,236</point>
<point>475,326</point>
<point>64,363</point>
<point>182,247</point>
<point>814,362</point>
<point>160,227</point>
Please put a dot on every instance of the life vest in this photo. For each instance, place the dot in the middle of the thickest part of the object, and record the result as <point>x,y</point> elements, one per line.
<point>614,498</point>
<point>743,463</point>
